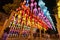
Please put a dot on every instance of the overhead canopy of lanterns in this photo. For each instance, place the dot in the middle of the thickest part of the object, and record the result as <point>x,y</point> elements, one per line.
<point>33,14</point>
<point>26,17</point>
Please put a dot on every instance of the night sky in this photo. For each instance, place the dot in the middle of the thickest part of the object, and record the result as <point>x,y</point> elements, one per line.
<point>49,3</point>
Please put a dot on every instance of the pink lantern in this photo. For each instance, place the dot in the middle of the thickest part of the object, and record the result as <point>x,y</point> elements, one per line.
<point>35,4</point>
<point>31,5</point>
<point>39,13</point>
<point>32,1</point>
<point>35,11</point>
<point>39,10</point>
<point>47,21</point>
<point>44,18</point>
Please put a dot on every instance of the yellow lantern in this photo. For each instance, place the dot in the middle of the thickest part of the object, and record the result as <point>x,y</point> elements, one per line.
<point>58,8</point>
<point>28,21</point>
<point>33,21</point>
<point>19,16</point>
<point>38,25</point>
<point>15,15</point>
<point>59,14</point>
<point>14,18</point>
<point>44,29</point>
<point>58,4</point>
<point>20,11</point>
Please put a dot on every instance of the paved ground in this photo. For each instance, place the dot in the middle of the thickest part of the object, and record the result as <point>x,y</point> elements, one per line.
<point>33,39</point>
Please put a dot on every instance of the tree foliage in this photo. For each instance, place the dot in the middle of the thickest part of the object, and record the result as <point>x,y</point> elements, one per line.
<point>8,7</point>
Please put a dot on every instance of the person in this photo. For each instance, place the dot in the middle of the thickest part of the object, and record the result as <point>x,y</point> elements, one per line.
<point>29,37</point>
<point>5,35</point>
<point>38,32</point>
<point>34,35</point>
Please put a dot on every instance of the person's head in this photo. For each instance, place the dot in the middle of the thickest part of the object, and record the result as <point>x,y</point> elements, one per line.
<point>37,30</point>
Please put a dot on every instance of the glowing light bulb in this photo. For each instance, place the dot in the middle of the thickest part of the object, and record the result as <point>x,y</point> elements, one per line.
<point>19,16</point>
<point>32,22</point>
<point>41,3</point>
<point>45,9</point>
<point>29,21</point>
<point>20,11</point>
<point>59,14</point>
<point>58,4</point>
<point>47,13</point>
<point>58,8</point>
<point>24,18</point>
<point>32,0</point>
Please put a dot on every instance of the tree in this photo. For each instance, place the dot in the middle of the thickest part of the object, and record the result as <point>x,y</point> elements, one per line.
<point>8,7</point>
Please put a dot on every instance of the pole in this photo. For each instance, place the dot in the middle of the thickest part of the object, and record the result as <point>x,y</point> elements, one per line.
<point>40,35</point>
